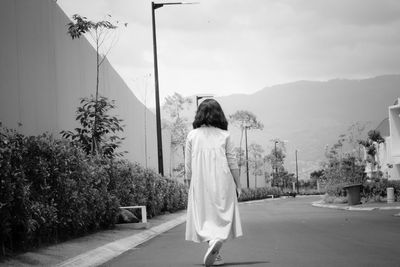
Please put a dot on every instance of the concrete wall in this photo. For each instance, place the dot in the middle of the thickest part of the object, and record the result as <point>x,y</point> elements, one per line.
<point>44,73</point>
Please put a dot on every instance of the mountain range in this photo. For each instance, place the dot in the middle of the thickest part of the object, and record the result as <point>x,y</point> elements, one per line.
<point>311,115</point>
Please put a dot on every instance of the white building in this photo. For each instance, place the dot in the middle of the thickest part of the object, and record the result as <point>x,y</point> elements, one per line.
<point>388,155</point>
<point>394,142</point>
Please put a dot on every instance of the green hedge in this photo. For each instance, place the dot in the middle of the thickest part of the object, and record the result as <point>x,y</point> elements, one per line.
<point>375,190</point>
<point>135,185</point>
<point>371,191</point>
<point>50,190</point>
<point>259,193</point>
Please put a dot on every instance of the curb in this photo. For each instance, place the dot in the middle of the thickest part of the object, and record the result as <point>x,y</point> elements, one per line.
<point>258,201</point>
<point>320,204</point>
<point>273,199</point>
<point>111,250</point>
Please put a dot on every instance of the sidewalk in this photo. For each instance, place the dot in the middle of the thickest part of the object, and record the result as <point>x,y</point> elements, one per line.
<point>97,248</point>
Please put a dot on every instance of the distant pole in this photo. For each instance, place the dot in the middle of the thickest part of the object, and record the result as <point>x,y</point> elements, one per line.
<point>297,175</point>
<point>255,172</point>
<point>247,158</point>
<point>276,161</point>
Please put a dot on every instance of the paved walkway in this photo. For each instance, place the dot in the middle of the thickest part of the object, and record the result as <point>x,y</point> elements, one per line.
<point>98,248</point>
<point>283,233</point>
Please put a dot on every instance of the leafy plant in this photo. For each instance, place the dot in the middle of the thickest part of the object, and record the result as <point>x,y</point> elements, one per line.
<point>340,172</point>
<point>105,136</point>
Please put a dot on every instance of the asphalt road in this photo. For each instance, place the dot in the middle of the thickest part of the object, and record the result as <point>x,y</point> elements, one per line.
<point>286,232</point>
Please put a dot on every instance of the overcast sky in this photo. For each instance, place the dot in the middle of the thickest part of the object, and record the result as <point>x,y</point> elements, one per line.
<point>222,47</point>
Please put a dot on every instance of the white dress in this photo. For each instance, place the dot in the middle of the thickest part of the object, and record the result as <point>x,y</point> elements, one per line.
<point>213,211</point>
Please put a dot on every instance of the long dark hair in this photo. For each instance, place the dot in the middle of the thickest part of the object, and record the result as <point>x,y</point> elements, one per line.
<point>210,113</point>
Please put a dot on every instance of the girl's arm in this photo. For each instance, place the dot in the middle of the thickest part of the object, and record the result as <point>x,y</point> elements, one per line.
<point>188,161</point>
<point>233,166</point>
<point>235,174</point>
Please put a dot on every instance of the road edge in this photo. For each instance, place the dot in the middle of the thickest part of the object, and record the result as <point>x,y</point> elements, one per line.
<point>111,250</point>
<point>320,204</point>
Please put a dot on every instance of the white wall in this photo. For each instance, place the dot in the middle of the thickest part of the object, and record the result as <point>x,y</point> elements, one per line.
<point>252,179</point>
<point>394,124</point>
<point>44,73</point>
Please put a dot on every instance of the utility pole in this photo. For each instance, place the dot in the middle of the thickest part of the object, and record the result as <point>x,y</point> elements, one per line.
<point>297,175</point>
<point>247,158</point>
<point>276,161</point>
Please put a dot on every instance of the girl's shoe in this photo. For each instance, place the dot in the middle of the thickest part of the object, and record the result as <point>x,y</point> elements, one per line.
<point>212,252</point>
<point>218,261</point>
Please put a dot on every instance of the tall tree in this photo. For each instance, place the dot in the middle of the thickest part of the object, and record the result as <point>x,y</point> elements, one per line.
<point>276,158</point>
<point>315,177</point>
<point>174,106</point>
<point>371,145</point>
<point>355,132</point>
<point>245,120</point>
<point>256,160</point>
<point>240,155</point>
<point>101,33</point>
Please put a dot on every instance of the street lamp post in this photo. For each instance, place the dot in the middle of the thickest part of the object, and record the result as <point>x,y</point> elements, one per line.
<point>158,114</point>
<point>198,97</point>
<point>154,6</point>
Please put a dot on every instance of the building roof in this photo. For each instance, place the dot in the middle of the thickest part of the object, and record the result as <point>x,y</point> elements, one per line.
<point>384,128</point>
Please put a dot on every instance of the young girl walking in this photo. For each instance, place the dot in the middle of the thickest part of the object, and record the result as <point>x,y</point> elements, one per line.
<point>211,168</point>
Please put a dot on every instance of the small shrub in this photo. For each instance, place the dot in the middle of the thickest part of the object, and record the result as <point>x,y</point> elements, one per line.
<point>309,192</point>
<point>336,190</point>
<point>134,185</point>
<point>331,199</point>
